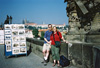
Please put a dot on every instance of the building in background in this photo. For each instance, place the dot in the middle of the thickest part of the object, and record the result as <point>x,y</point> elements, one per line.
<point>63,28</point>
<point>43,25</point>
<point>29,33</point>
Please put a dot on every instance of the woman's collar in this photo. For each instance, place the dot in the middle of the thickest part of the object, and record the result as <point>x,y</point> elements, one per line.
<point>55,32</point>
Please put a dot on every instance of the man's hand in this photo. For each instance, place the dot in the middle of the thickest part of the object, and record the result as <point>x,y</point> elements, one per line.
<point>49,42</point>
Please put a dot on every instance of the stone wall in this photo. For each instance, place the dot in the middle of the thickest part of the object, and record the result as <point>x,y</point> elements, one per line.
<point>82,55</point>
<point>36,47</point>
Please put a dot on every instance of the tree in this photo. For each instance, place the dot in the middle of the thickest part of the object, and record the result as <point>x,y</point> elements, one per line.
<point>42,35</point>
<point>30,28</point>
<point>35,32</point>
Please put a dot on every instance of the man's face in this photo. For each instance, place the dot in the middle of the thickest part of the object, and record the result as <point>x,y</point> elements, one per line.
<point>50,27</point>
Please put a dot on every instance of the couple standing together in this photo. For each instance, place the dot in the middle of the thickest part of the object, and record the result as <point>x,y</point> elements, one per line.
<point>52,35</point>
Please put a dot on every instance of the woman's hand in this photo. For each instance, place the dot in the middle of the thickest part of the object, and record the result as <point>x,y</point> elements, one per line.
<point>50,47</point>
<point>67,42</point>
<point>64,40</point>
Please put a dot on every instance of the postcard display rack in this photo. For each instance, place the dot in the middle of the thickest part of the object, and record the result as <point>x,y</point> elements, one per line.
<point>15,40</point>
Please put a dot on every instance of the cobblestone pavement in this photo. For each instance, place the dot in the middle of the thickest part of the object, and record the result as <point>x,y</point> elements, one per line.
<point>30,61</point>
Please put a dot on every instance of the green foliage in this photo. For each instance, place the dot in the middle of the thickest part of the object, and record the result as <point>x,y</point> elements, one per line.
<point>42,35</point>
<point>25,26</point>
<point>39,27</point>
<point>30,27</point>
<point>35,32</point>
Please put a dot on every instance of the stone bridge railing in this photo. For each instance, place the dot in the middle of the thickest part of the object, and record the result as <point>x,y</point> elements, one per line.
<point>82,55</point>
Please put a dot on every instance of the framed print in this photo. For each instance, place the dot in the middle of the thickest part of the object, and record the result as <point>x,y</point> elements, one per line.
<point>14,26</point>
<point>22,32</point>
<point>15,44</point>
<point>7,26</point>
<point>7,37</point>
<point>14,32</point>
<point>15,38</point>
<point>8,47</point>
<point>22,44</point>
<point>21,26</point>
<point>22,38</point>
<point>8,42</point>
<point>7,31</point>
<point>22,50</point>
<point>16,51</point>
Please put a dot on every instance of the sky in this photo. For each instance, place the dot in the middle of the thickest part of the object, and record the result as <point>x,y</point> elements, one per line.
<point>37,11</point>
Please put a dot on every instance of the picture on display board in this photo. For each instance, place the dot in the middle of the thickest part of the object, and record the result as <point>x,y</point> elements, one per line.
<point>22,44</point>
<point>22,32</point>
<point>22,50</point>
<point>22,38</point>
<point>14,26</point>
<point>15,44</point>
<point>8,47</point>
<point>16,51</point>
<point>8,42</point>
<point>7,31</point>
<point>7,26</point>
<point>15,38</point>
<point>14,32</point>
<point>7,36</point>
<point>21,27</point>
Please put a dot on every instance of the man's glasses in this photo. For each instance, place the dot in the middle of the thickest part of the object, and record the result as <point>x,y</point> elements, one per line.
<point>49,27</point>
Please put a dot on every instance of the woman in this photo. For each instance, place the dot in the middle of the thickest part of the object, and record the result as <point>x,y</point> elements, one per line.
<point>55,36</point>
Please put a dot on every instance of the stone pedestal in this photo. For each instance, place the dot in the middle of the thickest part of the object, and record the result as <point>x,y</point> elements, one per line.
<point>84,28</point>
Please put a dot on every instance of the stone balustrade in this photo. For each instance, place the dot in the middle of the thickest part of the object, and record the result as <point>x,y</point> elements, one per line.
<point>82,55</point>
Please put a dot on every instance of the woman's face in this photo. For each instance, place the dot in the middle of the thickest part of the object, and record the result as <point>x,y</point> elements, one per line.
<point>54,29</point>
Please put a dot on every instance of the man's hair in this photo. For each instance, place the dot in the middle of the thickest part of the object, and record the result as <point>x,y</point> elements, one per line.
<point>49,24</point>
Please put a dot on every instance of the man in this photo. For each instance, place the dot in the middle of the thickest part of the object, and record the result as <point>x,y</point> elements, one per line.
<point>46,46</point>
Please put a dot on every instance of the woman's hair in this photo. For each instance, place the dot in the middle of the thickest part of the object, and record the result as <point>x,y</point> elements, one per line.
<point>55,27</point>
<point>53,31</point>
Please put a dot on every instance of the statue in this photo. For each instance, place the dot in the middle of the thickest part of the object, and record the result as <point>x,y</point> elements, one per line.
<point>10,19</point>
<point>82,14</point>
<point>84,23</point>
<point>7,20</point>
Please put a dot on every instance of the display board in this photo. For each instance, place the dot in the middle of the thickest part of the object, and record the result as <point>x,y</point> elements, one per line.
<point>15,39</point>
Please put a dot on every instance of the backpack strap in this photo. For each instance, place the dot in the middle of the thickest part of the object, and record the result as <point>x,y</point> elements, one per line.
<point>54,37</point>
<point>58,35</point>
